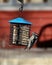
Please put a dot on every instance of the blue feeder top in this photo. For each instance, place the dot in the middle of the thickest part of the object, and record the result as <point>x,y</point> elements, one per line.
<point>20,21</point>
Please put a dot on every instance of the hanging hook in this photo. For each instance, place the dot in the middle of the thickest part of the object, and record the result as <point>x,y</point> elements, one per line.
<point>21,8</point>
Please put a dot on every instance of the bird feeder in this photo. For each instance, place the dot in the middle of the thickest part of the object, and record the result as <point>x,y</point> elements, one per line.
<point>19,31</point>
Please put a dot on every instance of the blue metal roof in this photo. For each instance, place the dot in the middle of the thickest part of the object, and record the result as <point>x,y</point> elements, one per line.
<point>20,21</point>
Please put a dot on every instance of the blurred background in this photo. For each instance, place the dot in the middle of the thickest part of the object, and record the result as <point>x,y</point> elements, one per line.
<point>36,11</point>
<point>39,12</point>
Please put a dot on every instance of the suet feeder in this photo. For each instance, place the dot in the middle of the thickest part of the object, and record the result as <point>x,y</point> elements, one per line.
<point>19,31</point>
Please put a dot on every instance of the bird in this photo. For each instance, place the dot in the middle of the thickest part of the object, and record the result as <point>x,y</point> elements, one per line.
<point>32,40</point>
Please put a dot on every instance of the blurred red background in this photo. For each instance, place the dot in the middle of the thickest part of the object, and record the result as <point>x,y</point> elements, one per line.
<point>38,19</point>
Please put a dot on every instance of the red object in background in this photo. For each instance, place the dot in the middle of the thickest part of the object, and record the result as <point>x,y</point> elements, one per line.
<point>38,19</point>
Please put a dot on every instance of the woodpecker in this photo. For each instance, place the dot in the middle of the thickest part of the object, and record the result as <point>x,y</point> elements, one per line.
<point>32,40</point>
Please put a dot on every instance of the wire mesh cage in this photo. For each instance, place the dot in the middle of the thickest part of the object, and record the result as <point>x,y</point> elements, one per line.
<point>19,32</point>
<point>24,34</point>
<point>13,33</point>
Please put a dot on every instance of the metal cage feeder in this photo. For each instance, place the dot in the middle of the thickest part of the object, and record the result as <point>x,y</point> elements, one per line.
<point>19,31</point>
